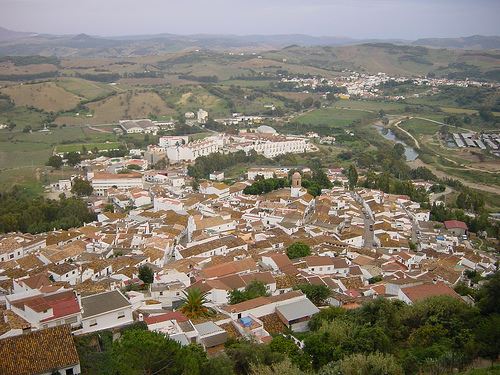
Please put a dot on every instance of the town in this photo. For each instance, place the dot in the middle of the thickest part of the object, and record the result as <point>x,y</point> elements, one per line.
<point>162,239</point>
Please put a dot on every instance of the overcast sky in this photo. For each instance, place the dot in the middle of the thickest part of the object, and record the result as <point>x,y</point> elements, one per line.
<point>407,19</point>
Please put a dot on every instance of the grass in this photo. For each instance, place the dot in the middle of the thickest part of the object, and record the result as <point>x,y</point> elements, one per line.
<point>493,370</point>
<point>130,105</point>
<point>23,116</point>
<point>370,105</point>
<point>18,149</point>
<point>331,117</point>
<point>82,88</point>
<point>46,96</point>
<point>89,146</point>
<point>420,127</point>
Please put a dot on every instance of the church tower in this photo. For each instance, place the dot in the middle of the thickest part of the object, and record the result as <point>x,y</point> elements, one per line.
<point>296,185</point>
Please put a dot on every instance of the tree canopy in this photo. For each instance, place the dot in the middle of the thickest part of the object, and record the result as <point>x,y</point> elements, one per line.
<point>81,187</point>
<point>253,290</point>
<point>298,250</point>
<point>24,211</point>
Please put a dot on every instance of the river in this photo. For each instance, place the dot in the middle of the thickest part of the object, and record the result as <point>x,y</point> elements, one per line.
<point>410,153</point>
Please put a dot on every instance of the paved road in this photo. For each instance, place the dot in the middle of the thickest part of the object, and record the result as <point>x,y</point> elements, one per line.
<point>368,235</point>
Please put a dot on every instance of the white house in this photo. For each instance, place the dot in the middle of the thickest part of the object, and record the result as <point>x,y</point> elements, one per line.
<point>105,310</point>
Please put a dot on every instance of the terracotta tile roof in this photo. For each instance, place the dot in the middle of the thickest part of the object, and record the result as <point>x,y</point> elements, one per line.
<point>260,301</point>
<point>175,315</point>
<point>38,352</point>
<point>236,266</point>
<point>455,224</point>
<point>9,320</point>
<point>421,292</point>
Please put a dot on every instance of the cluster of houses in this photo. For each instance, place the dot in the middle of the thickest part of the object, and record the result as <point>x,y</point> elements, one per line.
<point>368,86</point>
<point>218,240</point>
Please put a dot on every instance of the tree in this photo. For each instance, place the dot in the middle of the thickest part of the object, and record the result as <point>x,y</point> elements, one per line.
<point>298,250</point>
<point>253,290</point>
<point>316,293</point>
<point>144,352</point>
<point>399,150</point>
<point>489,295</point>
<point>361,364</point>
<point>73,158</point>
<point>352,176</point>
<point>146,274</point>
<point>308,102</point>
<point>55,161</point>
<point>160,164</point>
<point>81,187</point>
<point>488,336</point>
<point>195,185</point>
<point>193,304</point>
<point>280,368</point>
<point>219,365</point>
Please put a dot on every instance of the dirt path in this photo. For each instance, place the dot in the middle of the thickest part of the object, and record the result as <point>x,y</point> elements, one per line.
<point>489,188</point>
<point>396,125</point>
<point>99,130</point>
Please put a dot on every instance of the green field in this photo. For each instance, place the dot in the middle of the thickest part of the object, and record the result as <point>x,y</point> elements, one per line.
<point>86,89</point>
<point>420,127</point>
<point>19,149</point>
<point>331,117</point>
<point>77,147</point>
<point>370,105</point>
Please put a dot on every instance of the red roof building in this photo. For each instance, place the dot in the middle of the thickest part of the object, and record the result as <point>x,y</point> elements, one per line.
<point>455,224</point>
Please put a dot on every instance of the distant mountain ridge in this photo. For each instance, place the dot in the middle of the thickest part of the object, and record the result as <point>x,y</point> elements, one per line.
<point>469,42</point>
<point>6,34</point>
<point>84,45</point>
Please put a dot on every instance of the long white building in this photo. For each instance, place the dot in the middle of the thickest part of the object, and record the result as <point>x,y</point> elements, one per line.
<point>270,145</point>
<point>101,182</point>
<point>193,150</point>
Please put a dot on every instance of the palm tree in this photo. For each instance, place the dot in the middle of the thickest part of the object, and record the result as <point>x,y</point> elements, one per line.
<point>193,304</point>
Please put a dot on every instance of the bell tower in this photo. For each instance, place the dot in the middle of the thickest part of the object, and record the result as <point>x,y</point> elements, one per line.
<point>296,185</point>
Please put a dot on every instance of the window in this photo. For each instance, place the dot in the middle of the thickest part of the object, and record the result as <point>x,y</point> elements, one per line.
<point>121,314</point>
<point>69,371</point>
<point>161,293</point>
<point>93,323</point>
<point>11,256</point>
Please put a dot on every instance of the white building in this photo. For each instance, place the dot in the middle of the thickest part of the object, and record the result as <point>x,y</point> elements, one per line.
<point>270,145</point>
<point>101,182</point>
<point>104,311</point>
<point>139,126</point>
<point>173,140</point>
<point>193,150</point>
<point>202,116</point>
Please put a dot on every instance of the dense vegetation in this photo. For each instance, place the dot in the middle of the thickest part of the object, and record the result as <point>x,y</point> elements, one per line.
<point>382,337</point>
<point>205,165</point>
<point>298,250</point>
<point>253,290</point>
<point>23,211</point>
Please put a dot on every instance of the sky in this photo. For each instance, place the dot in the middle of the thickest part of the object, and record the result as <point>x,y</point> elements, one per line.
<point>399,19</point>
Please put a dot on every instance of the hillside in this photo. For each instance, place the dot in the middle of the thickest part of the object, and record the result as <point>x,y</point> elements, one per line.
<point>470,42</point>
<point>83,45</point>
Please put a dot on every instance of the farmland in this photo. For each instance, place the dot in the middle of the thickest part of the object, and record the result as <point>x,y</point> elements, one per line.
<point>47,96</point>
